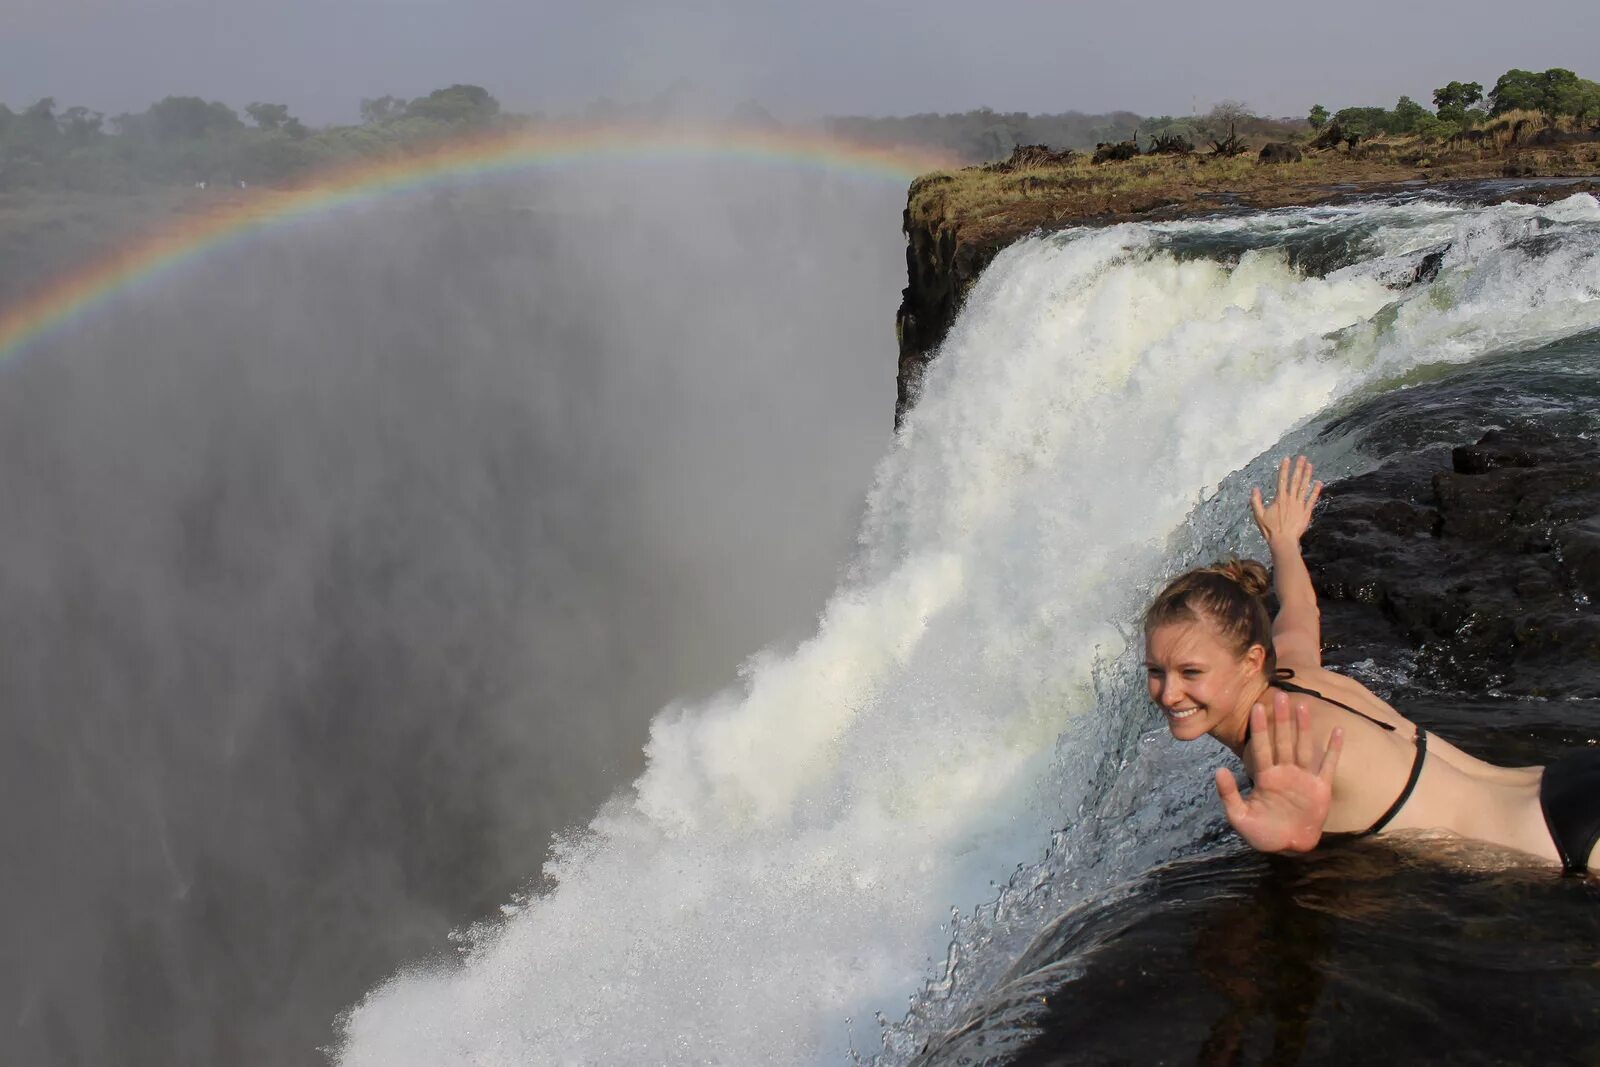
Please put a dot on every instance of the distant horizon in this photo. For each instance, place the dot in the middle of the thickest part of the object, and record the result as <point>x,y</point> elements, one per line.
<point>721,107</point>
<point>800,62</point>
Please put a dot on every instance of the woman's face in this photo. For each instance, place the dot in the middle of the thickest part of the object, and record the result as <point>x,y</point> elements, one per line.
<point>1197,680</point>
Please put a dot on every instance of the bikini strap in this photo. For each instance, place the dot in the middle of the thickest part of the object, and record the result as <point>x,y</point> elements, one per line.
<point>1405,794</point>
<point>1282,678</point>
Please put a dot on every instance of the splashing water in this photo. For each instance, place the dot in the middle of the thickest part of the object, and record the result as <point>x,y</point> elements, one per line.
<point>788,860</point>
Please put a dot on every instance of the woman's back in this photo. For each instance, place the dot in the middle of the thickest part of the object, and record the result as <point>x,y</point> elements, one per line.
<point>1453,791</point>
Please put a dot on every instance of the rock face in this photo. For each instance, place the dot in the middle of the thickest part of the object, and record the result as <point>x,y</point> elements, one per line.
<point>940,269</point>
<point>1489,569</point>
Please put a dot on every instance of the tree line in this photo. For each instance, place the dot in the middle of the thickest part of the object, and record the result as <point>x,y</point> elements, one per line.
<point>189,139</point>
<point>183,139</point>
<point>984,135</point>
<point>1460,106</point>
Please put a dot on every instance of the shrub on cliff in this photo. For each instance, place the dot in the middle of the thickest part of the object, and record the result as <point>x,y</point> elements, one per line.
<point>1229,146</point>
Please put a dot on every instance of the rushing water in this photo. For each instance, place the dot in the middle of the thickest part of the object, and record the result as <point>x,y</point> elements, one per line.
<point>965,729</point>
<point>343,566</point>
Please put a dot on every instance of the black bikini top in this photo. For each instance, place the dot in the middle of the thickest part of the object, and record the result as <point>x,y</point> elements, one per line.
<point>1282,679</point>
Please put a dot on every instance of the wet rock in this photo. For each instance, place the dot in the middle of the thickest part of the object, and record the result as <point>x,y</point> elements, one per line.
<point>1428,269</point>
<point>940,271</point>
<point>1488,568</point>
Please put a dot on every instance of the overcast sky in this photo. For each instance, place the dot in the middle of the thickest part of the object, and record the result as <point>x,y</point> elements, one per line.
<point>798,57</point>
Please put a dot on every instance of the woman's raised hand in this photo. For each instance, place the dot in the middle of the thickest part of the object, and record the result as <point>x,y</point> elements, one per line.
<point>1290,511</point>
<point>1287,808</point>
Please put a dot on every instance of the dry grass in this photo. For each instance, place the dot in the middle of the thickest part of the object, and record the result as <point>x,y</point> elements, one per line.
<point>988,205</point>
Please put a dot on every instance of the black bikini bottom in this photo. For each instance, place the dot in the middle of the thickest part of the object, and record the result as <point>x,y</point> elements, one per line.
<point>1570,796</point>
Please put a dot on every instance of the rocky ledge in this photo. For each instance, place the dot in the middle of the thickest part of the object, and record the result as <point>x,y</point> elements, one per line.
<point>1488,569</point>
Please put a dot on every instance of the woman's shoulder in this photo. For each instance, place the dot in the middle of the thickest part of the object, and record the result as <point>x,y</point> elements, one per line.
<point>1342,689</point>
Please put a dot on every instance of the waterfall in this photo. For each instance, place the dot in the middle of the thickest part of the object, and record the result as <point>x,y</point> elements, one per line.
<point>787,864</point>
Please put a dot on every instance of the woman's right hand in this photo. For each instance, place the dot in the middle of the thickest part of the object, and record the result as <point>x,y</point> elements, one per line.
<point>1288,806</point>
<point>1290,511</point>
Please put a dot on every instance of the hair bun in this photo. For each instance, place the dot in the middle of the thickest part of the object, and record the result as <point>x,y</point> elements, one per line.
<point>1251,576</point>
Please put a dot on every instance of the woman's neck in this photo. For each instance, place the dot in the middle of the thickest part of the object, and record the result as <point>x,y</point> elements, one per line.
<point>1234,731</point>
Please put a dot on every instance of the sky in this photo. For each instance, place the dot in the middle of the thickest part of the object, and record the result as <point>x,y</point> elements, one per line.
<point>798,59</point>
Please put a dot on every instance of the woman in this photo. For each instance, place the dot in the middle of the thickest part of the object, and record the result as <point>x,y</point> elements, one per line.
<point>1342,762</point>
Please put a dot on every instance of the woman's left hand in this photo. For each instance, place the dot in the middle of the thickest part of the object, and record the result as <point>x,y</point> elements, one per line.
<point>1286,810</point>
<point>1289,514</point>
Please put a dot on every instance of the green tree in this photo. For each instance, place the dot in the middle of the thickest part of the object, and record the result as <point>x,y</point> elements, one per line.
<point>268,116</point>
<point>466,105</point>
<point>1318,117</point>
<point>79,125</point>
<point>382,109</point>
<point>1362,121</point>
<point>272,156</point>
<point>39,122</point>
<point>1556,91</point>
<point>1452,100</point>
<point>1517,90</point>
<point>275,118</point>
<point>1407,116</point>
<point>1580,97</point>
<point>186,118</point>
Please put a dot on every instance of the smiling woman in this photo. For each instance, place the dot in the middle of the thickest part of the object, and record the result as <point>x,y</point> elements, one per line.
<point>1214,663</point>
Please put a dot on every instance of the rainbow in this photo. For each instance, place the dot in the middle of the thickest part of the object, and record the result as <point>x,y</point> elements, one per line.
<point>65,299</point>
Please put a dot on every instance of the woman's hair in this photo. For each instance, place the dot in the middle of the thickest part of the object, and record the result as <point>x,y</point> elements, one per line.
<point>1228,594</point>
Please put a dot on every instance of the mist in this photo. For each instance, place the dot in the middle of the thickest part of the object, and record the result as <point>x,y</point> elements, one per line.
<point>347,564</point>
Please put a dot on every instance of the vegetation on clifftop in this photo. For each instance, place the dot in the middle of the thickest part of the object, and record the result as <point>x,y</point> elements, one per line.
<point>1036,190</point>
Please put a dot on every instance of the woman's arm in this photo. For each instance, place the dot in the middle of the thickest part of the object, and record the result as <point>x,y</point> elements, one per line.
<point>1297,631</point>
<point>1288,805</point>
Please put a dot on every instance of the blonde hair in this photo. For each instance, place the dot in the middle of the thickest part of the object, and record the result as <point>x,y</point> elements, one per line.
<point>1229,594</point>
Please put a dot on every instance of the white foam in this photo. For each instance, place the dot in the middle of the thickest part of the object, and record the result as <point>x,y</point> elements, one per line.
<point>788,860</point>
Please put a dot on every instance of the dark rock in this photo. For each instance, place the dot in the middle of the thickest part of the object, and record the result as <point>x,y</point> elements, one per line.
<point>1279,152</point>
<point>1426,264</point>
<point>1489,570</point>
<point>1428,269</point>
<point>1496,449</point>
<point>1111,153</point>
<point>940,270</point>
<point>1028,156</point>
<point>1331,136</point>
